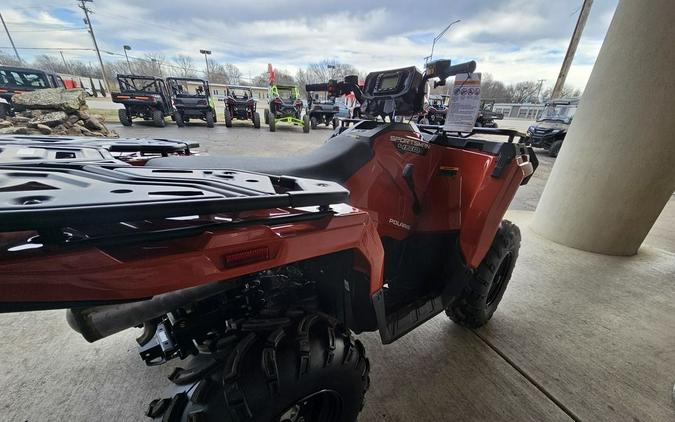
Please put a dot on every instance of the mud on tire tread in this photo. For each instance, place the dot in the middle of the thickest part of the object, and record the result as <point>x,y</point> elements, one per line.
<point>469,307</point>
<point>268,371</point>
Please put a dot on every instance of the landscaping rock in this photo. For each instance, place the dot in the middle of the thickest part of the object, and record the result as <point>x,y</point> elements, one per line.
<point>15,131</point>
<point>51,119</point>
<point>44,129</point>
<point>5,123</point>
<point>51,98</point>
<point>93,124</point>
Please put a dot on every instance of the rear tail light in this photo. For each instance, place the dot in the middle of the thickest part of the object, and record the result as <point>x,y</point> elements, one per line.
<point>247,257</point>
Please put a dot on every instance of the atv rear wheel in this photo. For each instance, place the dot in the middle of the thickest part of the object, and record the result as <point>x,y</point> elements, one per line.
<point>228,118</point>
<point>313,122</point>
<point>309,371</point>
<point>474,305</point>
<point>158,118</point>
<point>178,117</point>
<point>272,122</point>
<point>267,117</point>
<point>256,120</point>
<point>554,149</point>
<point>210,119</point>
<point>305,123</point>
<point>124,117</point>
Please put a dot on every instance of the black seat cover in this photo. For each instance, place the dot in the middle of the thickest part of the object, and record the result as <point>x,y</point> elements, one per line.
<point>336,161</point>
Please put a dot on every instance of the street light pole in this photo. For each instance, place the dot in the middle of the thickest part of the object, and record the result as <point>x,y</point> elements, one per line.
<point>572,49</point>
<point>126,48</point>
<point>206,53</point>
<point>438,37</point>
<point>11,41</point>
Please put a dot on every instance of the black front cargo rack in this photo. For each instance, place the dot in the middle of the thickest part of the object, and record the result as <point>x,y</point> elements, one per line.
<point>159,146</point>
<point>51,195</point>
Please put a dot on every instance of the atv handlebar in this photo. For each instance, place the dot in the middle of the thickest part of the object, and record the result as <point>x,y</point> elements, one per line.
<point>457,69</point>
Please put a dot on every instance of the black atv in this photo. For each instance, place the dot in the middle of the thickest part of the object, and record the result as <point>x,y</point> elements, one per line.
<point>240,105</point>
<point>286,106</point>
<point>552,125</point>
<point>435,111</point>
<point>14,80</point>
<point>146,97</point>
<point>322,111</point>
<point>199,104</point>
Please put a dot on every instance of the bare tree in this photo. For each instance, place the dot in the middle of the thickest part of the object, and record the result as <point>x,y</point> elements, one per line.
<point>567,92</point>
<point>185,66</point>
<point>524,92</point>
<point>9,60</point>
<point>233,73</point>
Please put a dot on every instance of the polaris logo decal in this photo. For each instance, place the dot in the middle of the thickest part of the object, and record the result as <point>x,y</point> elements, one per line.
<point>413,146</point>
<point>399,224</point>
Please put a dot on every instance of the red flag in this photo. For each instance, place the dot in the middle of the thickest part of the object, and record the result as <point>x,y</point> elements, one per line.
<point>270,73</point>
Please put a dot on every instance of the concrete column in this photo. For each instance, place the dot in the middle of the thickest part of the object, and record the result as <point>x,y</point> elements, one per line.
<point>616,169</point>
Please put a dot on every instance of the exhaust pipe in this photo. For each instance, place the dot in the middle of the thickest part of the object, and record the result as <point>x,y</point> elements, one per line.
<point>98,322</point>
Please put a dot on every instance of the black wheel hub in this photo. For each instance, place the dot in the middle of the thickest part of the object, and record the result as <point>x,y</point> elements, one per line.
<point>500,279</point>
<point>324,406</point>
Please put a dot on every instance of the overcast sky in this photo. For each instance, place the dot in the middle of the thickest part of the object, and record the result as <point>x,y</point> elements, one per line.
<point>514,40</point>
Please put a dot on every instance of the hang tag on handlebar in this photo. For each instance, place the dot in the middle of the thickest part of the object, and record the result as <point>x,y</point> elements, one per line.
<point>464,104</point>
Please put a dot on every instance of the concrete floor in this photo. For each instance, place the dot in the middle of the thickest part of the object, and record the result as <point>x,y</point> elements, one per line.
<point>578,336</point>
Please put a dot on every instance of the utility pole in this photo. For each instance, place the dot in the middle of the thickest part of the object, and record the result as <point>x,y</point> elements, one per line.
<point>87,20</point>
<point>65,63</point>
<point>572,49</point>
<point>11,41</point>
<point>540,83</point>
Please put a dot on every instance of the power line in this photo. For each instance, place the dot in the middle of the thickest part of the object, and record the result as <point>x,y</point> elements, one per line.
<point>50,30</point>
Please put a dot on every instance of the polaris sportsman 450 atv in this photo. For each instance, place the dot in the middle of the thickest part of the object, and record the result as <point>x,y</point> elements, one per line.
<point>258,280</point>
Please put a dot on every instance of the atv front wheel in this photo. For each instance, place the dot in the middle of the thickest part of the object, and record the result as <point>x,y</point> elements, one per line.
<point>228,118</point>
<point>313,122</point>
<point>124,117</point>
<point>272,122</point>
<point>305,123</point>
<point>256,120</point>
<point>158,118</point>
<point>310,371</point>
<point>178,117</point>
<point>554,149</point>
<point>475,303</point>
<point>210,120</point>
<point>267,117</point>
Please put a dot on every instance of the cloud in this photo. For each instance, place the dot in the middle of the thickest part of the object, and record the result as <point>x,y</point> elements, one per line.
<point>512,39</point>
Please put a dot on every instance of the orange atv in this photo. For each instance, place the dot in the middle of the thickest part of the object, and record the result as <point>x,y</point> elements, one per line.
<point>260,280</point>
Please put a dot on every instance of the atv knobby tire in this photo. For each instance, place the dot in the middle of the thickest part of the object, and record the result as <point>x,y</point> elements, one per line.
<point>264,374</point>
<point>554,149</point>
<point>272,122</point>
<point>178,117</point>
<point>256,120</point>
<point>305,123</point>
<point>314,123</point>
<point>124,117</point>
<point>474,305</point>
<point>210,119</point>
<point>158,118</point>
<point>228,118</point>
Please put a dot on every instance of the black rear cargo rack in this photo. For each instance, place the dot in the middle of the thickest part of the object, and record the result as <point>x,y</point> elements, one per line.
<point>48,196</point>
<point>159,146</point>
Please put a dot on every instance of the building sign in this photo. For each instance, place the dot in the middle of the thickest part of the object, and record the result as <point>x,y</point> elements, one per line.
<point>464,104</point>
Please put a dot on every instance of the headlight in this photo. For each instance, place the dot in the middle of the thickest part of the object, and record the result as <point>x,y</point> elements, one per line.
<point>530,129</point>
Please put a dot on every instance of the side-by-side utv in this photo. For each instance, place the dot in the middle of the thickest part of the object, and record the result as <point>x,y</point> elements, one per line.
<point>321,111</point>
<point>435,110</point>
<point>240,105</point>
<point>146,97</point>
<point>198,104</point>
<point>286,106</point>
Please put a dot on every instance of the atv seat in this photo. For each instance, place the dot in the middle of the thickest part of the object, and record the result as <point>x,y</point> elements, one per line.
<point>335,161</point>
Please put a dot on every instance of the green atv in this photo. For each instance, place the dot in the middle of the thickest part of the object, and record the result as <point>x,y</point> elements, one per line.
<point>286,106</point>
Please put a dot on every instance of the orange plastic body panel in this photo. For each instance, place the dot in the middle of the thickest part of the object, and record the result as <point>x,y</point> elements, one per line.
<point>141,271</point>
<point>454,186</point>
